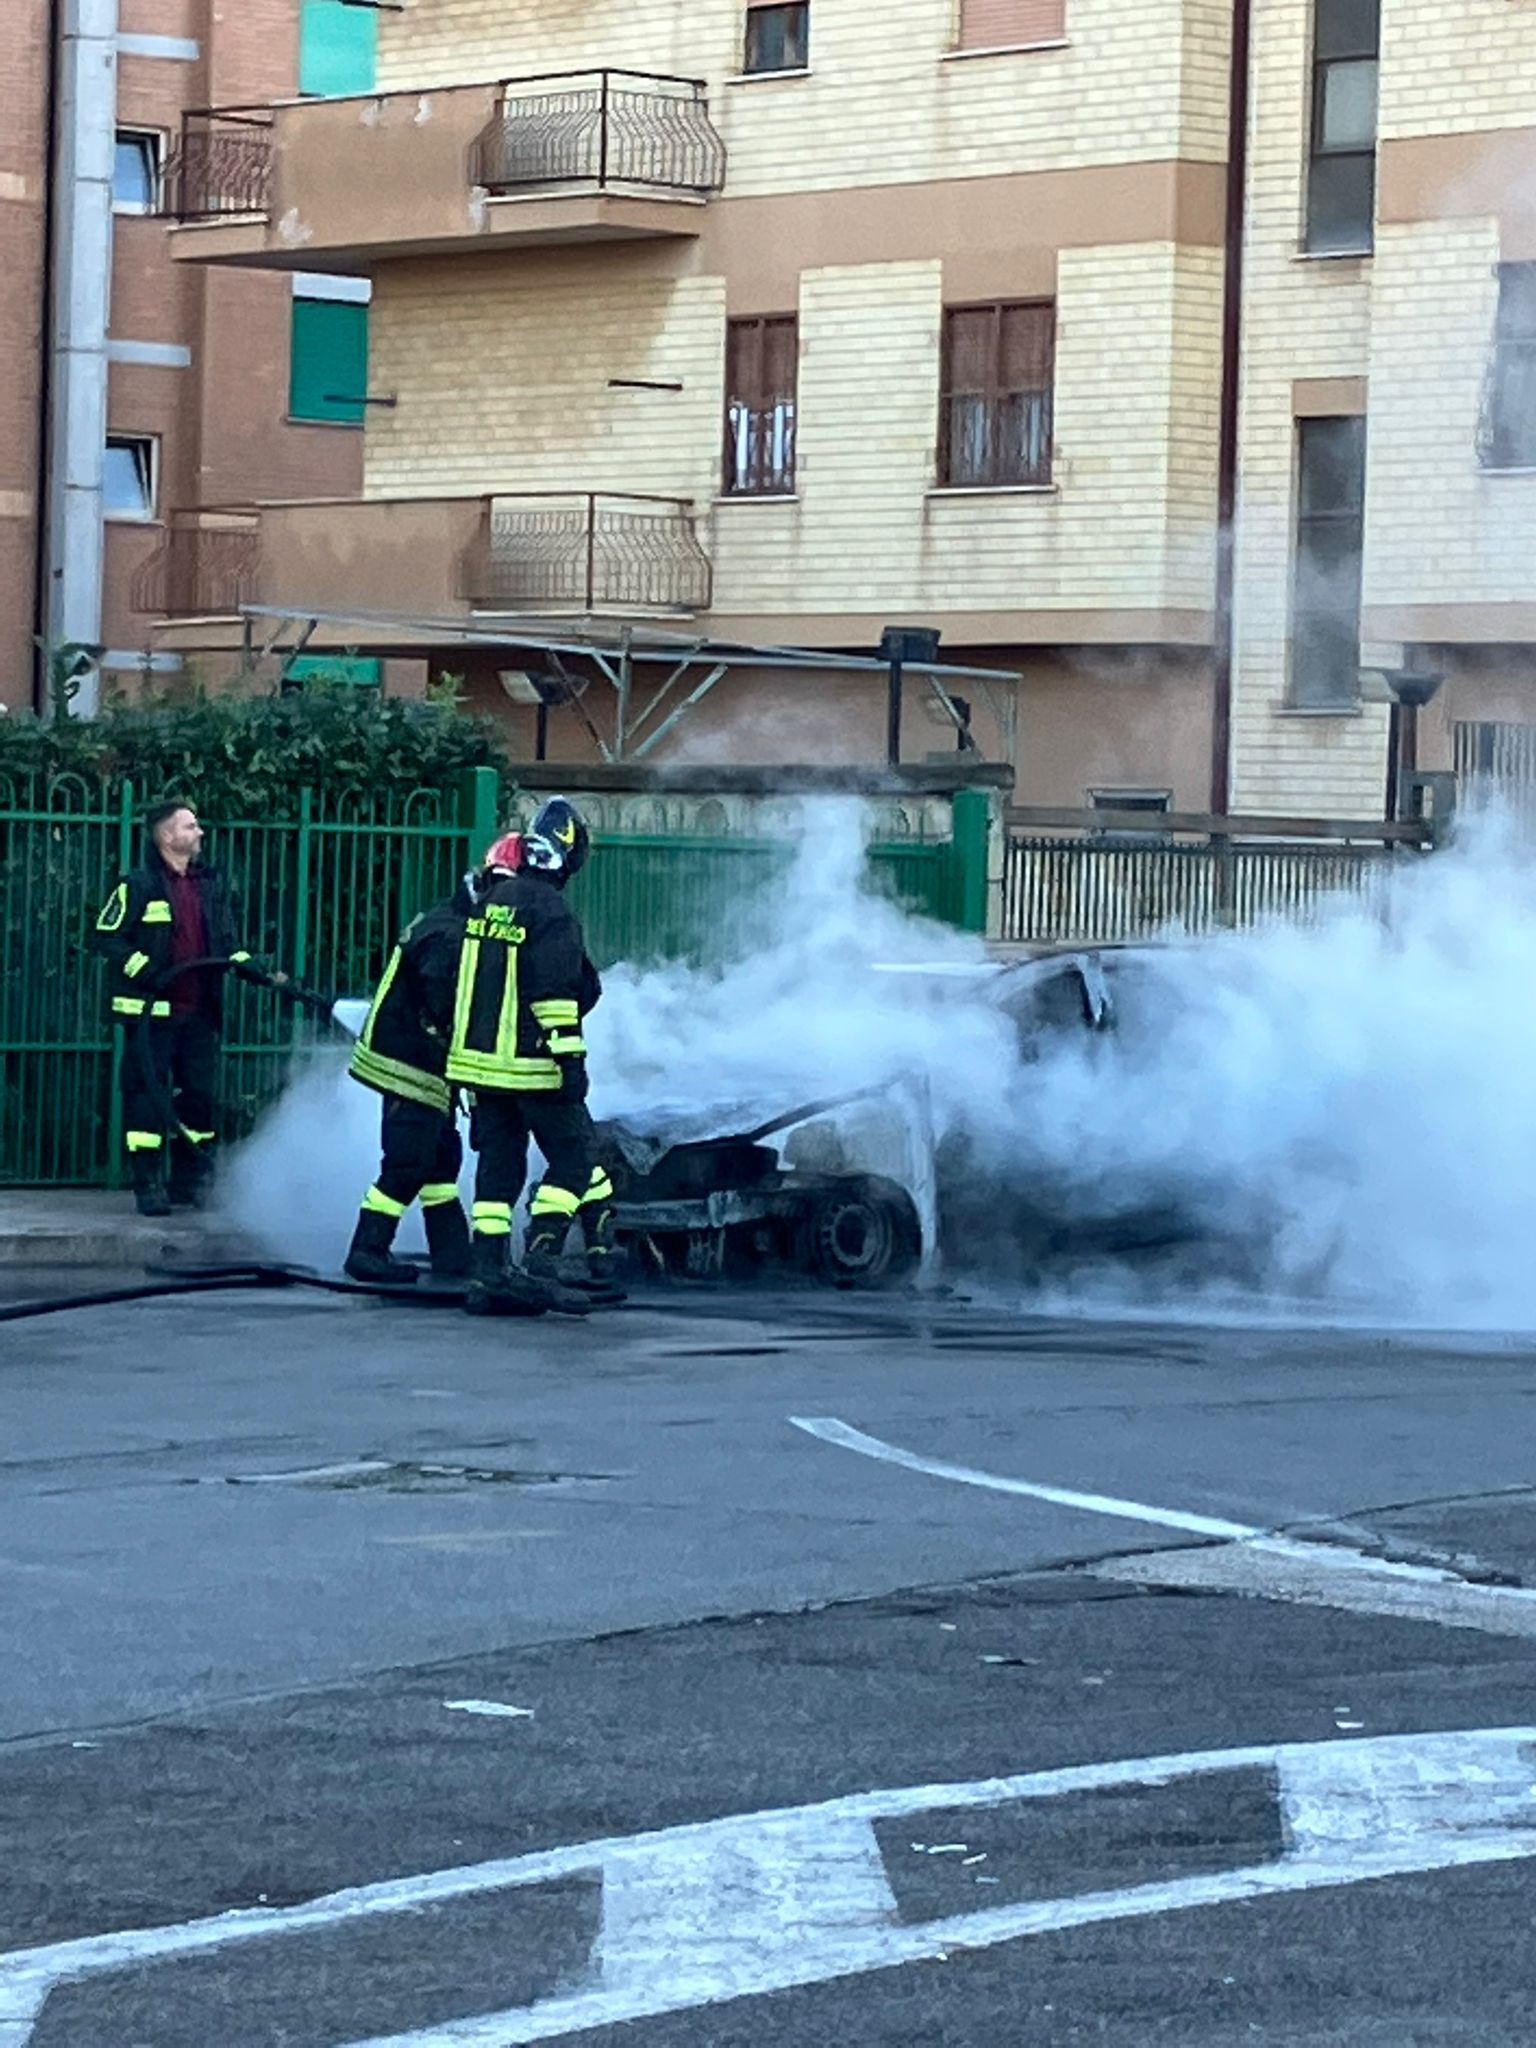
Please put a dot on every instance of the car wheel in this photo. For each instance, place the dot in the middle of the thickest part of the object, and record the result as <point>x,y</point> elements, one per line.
<point>862,1232</point>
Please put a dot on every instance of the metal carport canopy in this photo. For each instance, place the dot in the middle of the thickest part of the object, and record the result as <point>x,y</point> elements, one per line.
<point>616,647</point>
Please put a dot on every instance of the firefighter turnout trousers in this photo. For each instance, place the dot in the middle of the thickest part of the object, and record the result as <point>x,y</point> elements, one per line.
<point>169,1076</point>
<point>574,1186</point>
<point>422,1157</point>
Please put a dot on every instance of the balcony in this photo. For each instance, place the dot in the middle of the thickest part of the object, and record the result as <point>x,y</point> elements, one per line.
<point>344,184</point>
<point>407,562</point>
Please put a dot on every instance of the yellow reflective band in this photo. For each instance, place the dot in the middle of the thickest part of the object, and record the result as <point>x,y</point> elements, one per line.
<point>493,1219</point>
<point>394,1077</point>
<point>135,964</point>
<point>438,1193</point>
<point>114,910</point>
<point>564,1048</point>
<point>156,911</point>
<point>239,958</point>
<point>198,1137</point>
<point>377,1203</point>
<point>554,1011</point>
<point>129,1006</point>
<point>599,1188</point>
<point>160,1009</point>
<point>550,1201</point>
<point>483,1070</point>
<point>143,1141</point>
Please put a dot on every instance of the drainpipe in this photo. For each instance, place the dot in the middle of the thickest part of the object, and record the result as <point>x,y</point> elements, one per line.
<point>84,121</point>
<point>1231,388</point>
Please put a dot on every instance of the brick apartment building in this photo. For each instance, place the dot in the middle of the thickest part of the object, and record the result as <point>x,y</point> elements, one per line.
<point>765,324</point>
<point>165,385</point>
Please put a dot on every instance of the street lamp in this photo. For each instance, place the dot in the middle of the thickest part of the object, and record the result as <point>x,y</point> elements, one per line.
<point>1408,690</point>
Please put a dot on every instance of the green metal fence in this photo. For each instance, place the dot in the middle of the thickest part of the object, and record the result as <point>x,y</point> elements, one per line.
<point>323,894</point>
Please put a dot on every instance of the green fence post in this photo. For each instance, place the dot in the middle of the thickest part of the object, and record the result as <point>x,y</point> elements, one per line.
<point>479,812</point>
<point>125,801</point>
<point>971,843</point>
<point>303,881</point>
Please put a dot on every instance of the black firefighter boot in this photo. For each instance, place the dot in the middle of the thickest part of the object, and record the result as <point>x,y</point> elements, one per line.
<point>368,1256</point>
<point>605,1262</point>
<point>150,1197</point>
<point>546,1268</point>
<point>497,1287</point>
<point>448,1240</point>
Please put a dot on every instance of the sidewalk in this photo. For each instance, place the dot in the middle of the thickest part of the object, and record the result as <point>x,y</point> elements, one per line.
<point>87,1227</point>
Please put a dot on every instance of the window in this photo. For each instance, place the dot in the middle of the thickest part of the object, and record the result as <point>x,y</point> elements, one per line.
<point>328,361</point>
<point>998,374</point>
<point>136,171</point>
<point>761,359</point>
<point>1330,537</point>
<point>778,37</point>
<point>336,47</point>
<point>1010,24</point>
<point>1509,422</point>
<point>129,478</point>
<point>1341,181</point>
<point>1152,802</point>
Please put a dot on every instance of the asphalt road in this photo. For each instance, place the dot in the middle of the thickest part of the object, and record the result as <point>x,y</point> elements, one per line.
<point>301,1596</point>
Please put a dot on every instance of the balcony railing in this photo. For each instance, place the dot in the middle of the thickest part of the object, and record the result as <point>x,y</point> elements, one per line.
<point>205,568</point>
<point>587,551</point>
<point>601,129</point>
<point>222,165</point>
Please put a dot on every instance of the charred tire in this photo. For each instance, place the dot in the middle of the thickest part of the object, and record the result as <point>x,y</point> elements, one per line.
<point>862,1232</point>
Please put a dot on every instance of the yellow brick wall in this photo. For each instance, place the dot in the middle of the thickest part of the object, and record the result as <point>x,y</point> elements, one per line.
<point>501,368</point>
<point>1439,528</point>
<point>1302,318</point>
<point>1450,66</point>
<point>1138,80</point>
<point>533,344</point>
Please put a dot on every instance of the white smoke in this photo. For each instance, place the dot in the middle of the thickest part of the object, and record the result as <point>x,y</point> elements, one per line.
<point>1346,1112</point>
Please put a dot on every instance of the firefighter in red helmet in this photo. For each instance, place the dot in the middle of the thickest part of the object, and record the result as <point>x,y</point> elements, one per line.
<point>402,1053</point>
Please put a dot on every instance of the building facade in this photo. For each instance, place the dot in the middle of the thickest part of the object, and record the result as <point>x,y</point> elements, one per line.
<point>130,385</point>
<point>774,323</point>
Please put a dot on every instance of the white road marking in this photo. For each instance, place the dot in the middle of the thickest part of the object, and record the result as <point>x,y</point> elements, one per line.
<point>1329,1557</point>
<point>494,1710</point>
<point>762,1902</point>
<point>831,1431</point>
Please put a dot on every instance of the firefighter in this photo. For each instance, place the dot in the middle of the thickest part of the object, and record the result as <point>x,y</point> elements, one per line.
<point>402,1053</point>
<point>168,912</point>
<point>523,982</point>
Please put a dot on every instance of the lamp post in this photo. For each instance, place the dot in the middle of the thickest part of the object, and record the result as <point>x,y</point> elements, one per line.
<point>1411,690</point>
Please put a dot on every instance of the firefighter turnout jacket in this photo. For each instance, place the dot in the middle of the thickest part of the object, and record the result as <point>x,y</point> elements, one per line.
<point>522,987</point>
<point>134,933</point>
<point>403,1047</point>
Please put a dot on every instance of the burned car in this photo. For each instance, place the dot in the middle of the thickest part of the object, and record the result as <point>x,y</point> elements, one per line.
<point>862,1191</point>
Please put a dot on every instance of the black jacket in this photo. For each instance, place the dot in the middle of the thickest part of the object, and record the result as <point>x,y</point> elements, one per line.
<point>402,1050</point>
<point>523,983</point>
<point>133,933</point>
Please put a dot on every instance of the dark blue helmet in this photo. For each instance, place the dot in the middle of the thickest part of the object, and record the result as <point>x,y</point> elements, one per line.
<point>557,841</point>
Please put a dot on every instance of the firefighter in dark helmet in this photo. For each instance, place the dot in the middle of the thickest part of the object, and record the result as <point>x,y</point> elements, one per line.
<point>402,1052</point>
<point>524,984</point>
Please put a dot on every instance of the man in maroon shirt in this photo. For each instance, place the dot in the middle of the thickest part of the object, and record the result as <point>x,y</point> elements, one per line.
<point>169,912</point>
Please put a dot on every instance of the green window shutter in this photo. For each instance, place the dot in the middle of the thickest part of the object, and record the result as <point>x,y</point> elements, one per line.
<point>365,672</point>
<point>336,47</point>
<point>328,364</point>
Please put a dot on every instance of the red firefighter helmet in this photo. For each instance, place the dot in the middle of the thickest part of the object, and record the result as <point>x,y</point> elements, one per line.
<point>505,855</point>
